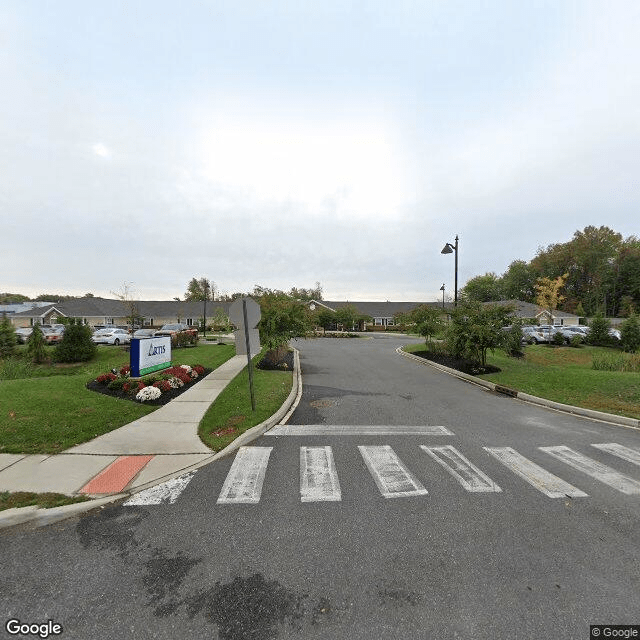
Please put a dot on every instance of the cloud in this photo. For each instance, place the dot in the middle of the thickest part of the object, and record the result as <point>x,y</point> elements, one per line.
<point>101,150</point>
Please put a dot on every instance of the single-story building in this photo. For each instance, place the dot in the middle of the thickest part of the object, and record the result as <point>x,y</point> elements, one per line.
<point>530,311</point>
<point>381,313</point>
<point>103,311</point>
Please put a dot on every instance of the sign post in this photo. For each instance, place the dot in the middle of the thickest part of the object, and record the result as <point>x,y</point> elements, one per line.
<point>245,314</point>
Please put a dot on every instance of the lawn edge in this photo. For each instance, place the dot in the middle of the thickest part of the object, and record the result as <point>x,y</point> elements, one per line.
<point>623,421</point>
<point>40,517</point>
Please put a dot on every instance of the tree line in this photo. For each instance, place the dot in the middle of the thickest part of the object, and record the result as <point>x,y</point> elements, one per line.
<point>602,271</point>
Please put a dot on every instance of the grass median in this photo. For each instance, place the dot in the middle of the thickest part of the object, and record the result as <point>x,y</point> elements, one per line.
<point>231,413</point>
<point>47,408</point>
<point>566,375</point>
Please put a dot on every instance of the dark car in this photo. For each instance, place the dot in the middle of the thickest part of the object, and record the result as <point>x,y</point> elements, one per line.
<point>180,333</point>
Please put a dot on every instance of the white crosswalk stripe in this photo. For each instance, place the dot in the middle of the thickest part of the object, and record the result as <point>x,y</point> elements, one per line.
<point>597,470</point>
<point>166,493</point>
<point>243,484</point>
<point>466,473</point>
<point>318,476</point>
<point>394,480</point>
<point>630,455</point>
<point>536,476</point>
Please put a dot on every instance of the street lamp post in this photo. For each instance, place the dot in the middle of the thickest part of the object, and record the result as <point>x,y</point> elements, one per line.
<point>453,248</point>
<point>442,289</point>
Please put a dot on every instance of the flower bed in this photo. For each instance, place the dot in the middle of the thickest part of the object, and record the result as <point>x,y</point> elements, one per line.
<point>155,389</point>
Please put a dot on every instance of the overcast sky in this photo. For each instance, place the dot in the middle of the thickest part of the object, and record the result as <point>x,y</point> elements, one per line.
<point>284,143</point>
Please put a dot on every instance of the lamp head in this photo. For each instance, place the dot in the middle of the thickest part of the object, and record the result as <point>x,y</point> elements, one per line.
<point>447,248</point>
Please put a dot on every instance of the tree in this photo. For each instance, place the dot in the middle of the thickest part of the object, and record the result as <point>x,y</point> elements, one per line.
<point>548,294</point>
<point>76,344</point>
<point>201,289</point>
<point>630,334</point>
<point>348,316</point>
<point>8,338</point>
<point>126,296</point>
<point>325,318</point>
<point>517,282</point>
<point>282,318</point>
<point>36,343</point>
<point>475,328</point>
<point>484,288</point>
<point>428,321</point>
<point>12,298</point>
<point>599,331</point>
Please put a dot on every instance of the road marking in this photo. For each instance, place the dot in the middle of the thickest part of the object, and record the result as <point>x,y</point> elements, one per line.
<point>630,455</point>
<point>597,470</point>
<point>466,473</point>
<point>243,484</point>
<point>318,476</point>
<point>166,493</point>
<point>394,480</point>
<point>355,430</point>
<point>540,478</point>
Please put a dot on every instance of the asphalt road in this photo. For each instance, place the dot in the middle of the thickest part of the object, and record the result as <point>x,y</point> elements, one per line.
<point>389,543</point>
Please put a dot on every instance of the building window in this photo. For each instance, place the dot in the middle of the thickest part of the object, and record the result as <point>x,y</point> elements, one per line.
<point>148,322</point>
<point>189,322</point>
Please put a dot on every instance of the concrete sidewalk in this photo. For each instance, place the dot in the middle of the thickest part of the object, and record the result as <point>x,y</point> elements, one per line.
<point>154,448</point>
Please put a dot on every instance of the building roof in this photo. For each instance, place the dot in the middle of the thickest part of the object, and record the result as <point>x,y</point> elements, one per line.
<point>530,310</point>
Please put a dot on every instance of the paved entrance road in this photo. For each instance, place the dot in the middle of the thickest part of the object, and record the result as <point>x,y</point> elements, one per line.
<point>453,532</point>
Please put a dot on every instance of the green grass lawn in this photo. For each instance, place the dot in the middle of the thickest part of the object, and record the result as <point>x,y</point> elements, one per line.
<point>42,500</point>
<point>231,414</point>
<point>49,409</point>
<point>565,374</point>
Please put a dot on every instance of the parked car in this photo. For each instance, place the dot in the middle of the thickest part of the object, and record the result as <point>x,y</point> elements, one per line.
<point>23,333</point>
<point>52,336</point>
<point>111,336</point>
<point>533,335</point>
<point>144,333</point>
<point>179,331</point>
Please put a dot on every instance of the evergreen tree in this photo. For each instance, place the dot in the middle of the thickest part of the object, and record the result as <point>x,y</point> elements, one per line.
<point>630,331</point>
<point>36,345</point>
<point>599,331</point>
<point>76,344</point>
<point>8,339</point>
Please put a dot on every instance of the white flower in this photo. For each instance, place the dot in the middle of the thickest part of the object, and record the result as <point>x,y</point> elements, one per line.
<point>175,383</point>
<point>193,373</point>
<point>148,393</point>
<point>186,367</point>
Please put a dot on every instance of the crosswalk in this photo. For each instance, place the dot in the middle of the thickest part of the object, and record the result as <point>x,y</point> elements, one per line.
<point>319,475</point>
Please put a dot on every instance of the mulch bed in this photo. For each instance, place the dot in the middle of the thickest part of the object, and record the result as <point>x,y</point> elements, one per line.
<point>282,364</point>
<point>166,396</point>
<point>459,364</point>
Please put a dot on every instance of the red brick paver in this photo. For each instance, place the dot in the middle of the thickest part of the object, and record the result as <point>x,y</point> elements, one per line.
<point>117,475</point>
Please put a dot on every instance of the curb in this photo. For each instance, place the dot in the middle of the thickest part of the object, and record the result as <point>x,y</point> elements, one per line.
<point>41,517</point>
<point>622,421</point>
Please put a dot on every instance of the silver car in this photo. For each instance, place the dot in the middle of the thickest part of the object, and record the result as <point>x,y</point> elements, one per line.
<point>111,336</point>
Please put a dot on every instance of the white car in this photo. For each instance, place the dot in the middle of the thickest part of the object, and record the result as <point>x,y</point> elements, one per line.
<point>111,336</point>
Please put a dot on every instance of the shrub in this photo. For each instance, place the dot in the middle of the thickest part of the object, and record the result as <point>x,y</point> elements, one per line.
<point>630,331</point>
<point>36,344</point>
<point>8,338</point>
<point>557,339</point>
<point>117,384</point>
<point>575,341</point>
<point>106,378</point>
<point>163,385</point>
<point>512,340</point>
<point>76,344</point>
<point>599,331</point>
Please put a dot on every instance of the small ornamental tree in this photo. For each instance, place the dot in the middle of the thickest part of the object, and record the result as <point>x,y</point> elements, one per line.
<point>428,321</point>
<point>347,316</point>
<point>8,339</point>
<point>325,318</point>
<point>630,334</point>
<point>282,318</point>
<point>548,293</point>
<point>599,331</point>
<point>36,344</point>
<point>475,328</point>
<point>76,344</point>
